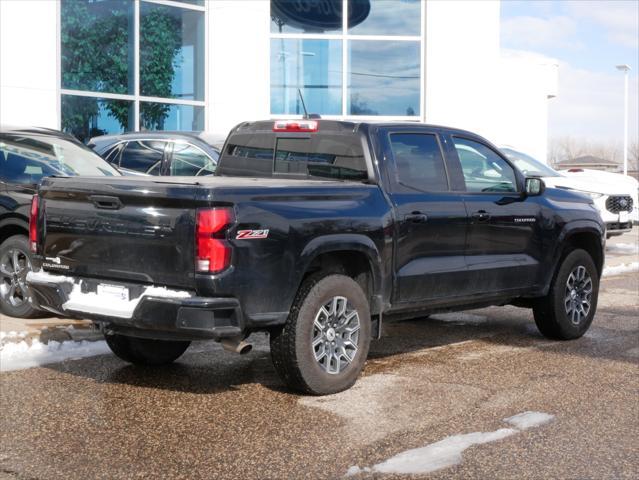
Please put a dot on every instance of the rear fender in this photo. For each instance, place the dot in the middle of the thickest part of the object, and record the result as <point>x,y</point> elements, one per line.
<point>348,243</point>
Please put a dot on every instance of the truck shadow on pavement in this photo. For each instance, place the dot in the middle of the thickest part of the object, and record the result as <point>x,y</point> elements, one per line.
<point>206,368</point>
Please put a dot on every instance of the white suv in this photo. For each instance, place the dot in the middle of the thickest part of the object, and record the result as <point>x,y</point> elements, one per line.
<point>614,195</point>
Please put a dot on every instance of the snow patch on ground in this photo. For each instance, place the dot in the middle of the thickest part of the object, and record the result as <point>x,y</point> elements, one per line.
<point>18,356</point>
<point>525,420</point>
<point>448,452</point>
<point>619,269</point>
<point>377,404</point>
<point>622,248</point>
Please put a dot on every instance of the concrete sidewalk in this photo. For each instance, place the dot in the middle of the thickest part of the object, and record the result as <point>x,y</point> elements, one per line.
<point>622,250</point>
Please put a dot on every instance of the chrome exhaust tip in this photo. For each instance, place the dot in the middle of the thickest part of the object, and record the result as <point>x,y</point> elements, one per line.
<point>236,345</point>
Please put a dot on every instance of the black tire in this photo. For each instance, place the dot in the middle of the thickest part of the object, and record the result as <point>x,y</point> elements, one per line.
<point>292,350</point>
<point>17,304</point>
<point>145,351</point>
<point>550,312</point>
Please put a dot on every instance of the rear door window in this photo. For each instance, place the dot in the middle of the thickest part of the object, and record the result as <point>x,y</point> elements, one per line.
<point>418,161</point>
<point>189,161</point>
<point>144,156</point>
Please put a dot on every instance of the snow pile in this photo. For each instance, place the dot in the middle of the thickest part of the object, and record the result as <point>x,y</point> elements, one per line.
<point>18,356</point>
<point>448,452</point>
<point>619,269</point>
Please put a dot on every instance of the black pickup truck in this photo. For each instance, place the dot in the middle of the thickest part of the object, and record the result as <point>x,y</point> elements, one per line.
<point>314,230</point>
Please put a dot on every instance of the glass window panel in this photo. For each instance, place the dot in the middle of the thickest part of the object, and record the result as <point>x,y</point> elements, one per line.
<point>144,156</point>
<point>384,78</point>
<point>306,16</point>
<point>97,45</point>
<point>189,161</point>
<point>192,2</point>
<point>165,116</point>
<point>484,170</point>
<point>326,156</point>
<point>86,117</point>
<point>314,67</point>
<point>387,17</point>
<point>171,52</point>
<point>27,159</point>
<point>419,162</point>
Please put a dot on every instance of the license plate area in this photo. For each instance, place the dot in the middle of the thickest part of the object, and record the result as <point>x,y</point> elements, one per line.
<point>115,292</point>
<point>624,216</point>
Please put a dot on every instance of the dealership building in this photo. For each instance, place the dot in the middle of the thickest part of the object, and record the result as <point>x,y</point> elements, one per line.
<point>106,66</point>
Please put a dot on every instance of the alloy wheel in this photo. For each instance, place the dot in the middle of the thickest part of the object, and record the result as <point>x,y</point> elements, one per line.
<point>14,266</point>
<point>578,295</point>
<point>335,335</point>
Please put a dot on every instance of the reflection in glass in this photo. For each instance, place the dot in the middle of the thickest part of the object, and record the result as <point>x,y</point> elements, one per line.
<point>171,52</point>
<point>86,117</point>
<point>97,45</point>
<point>389,17</point>
<point>165,116</point>
<point>306,16</point>
<point>384,78</point>
<point>314,67</point>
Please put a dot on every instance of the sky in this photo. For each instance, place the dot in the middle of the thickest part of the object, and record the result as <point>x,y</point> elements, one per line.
<point>587,38</point>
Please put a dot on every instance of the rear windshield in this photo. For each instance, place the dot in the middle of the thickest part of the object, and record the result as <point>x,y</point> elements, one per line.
<point>28,158</point>
<point>321,156</point>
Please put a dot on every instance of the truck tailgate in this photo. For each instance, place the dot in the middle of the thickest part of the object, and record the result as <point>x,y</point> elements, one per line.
<point>121,229</point>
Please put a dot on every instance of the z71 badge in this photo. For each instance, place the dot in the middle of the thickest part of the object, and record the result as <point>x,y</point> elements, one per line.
<point>251,234</point>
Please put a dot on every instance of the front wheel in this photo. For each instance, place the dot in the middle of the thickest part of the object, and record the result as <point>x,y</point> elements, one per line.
<point>145,351</point>
<point>569,308</point>
<point>323,346</point>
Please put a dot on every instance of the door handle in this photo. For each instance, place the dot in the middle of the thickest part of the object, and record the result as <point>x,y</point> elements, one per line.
<point>481,216</point>
<point>106,203</point>
<point>416,217</point>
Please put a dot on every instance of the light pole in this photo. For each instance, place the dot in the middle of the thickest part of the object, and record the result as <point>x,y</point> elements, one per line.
<point>625,68</point>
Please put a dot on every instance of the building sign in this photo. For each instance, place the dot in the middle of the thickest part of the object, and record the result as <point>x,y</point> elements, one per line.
<point>318,15</point>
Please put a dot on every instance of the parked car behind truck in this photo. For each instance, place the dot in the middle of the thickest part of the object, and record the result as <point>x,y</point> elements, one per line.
<point>315,231</point>
<point>614,195</point>
<point>161,153</point>
<point>27,155</point>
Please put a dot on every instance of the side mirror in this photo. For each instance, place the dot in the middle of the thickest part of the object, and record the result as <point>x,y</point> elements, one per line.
<point>534,186</point>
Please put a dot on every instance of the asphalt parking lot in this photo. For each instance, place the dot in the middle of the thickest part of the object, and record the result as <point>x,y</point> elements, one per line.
<point>218,415</point>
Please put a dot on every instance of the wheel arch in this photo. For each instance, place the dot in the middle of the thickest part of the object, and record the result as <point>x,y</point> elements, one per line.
<point>586,236</point>
<point>353,255</point>
<point>13,226</point>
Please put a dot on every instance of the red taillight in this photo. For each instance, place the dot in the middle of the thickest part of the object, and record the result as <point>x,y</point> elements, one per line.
<point>296,126</point>
<point>213,253</point>
<point>575,170</point>
<point>33,224</point>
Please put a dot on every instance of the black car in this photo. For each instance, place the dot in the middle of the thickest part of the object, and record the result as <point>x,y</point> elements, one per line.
<point>315,231</point>
<point>26,156</point>
<point>191,154</point>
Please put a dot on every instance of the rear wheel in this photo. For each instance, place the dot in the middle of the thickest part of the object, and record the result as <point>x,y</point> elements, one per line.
<point>569,308</point>
<point>323,346</point>
<point>145,351</point>
<point>15,263</point>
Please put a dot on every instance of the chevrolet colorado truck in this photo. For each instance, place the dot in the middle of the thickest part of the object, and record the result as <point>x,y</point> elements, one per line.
<point>314,231</point>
